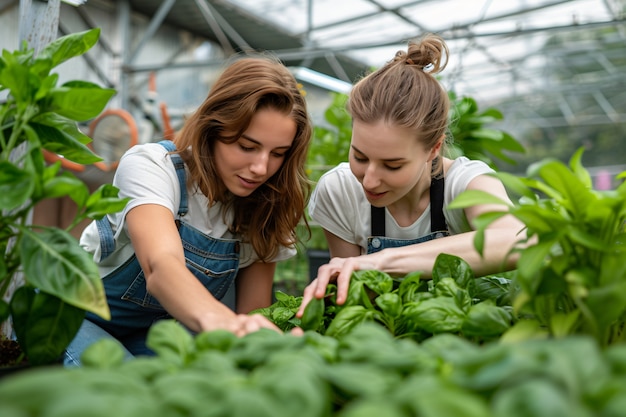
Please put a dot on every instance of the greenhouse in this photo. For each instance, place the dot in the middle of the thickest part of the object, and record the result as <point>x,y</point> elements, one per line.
<point>315,208</point>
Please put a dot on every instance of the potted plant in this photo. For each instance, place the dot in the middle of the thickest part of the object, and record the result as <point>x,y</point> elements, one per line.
<point>47,281</point>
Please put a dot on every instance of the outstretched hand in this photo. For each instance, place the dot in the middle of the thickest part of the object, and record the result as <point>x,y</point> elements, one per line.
<point>339,270</point>
<point>244,324</point>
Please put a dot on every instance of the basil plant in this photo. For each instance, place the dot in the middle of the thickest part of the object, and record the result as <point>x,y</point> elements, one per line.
<point>47,281</point>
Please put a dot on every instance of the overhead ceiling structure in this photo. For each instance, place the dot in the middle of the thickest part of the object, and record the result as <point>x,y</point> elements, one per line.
<point>515,53</point>
<point>498,49</point>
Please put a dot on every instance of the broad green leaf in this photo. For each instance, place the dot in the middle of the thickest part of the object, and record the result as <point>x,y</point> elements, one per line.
<point>66,185</point>
<point>586,239</point>
<point>79,104</point>
<point>531,261</point>
<point>171,341</point>
<point>105,206</point>
<point>69,46</point>
<point>574,194</point>
<point>54,262</point>
<point>108,353</point>
<point>438,397</point>
<point>524,329</point>
<point>390,304</point>
<point>16,78</point>
<point>577,168</point>
<point>486,319</point>
<point>450,266</point>
<point>447,287</point>
<point>351,382</point>
<point>221,340</point>
<point>313,315</point>
<point>437,315</point>
<point>470,198</point>
<point>496,288</point>
<point>540,220</point>
<point>537,397</point>
<point>563,324</point>
<point>44,324</point>
<point>346,320</point>
<point>516,185</point>
<point>69,127</point>
<point>16,186</point>
<point>606,305</point>
<point>47,84</point>
<point>377,281</point>
<point>64,144</point>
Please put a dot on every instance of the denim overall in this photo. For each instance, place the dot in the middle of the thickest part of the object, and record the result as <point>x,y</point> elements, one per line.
<point>438,227</point>
<point>214,262</point>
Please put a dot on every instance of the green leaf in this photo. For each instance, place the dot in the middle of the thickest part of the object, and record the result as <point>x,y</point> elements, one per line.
<point>69,127</point>
<point>171,341</point>
<point>450,266</point>
<point>16,186</point>
<point>69,46</point>
<point>64,144</point>
<point>470,198</point>
<point>486,319</point>
<point>79,104</point>
<point>377,281</point>
<point>532,260</point>
<point>44,324</point>
<point>313,314</point>
<point>104,200</point>
<point>55,263</point>
<point>437,315</point>
<point>536,397</point>
<point>577,168</point>
<point>15,77</point>
<point>221,340</point>
<point>346,320</point>
<point>390,304</point>
<point>574,195</point>
<point>66,184</point>
<point>563,324</point>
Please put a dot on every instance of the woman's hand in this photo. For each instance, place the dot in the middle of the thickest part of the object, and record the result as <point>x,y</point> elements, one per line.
<point>339,270</point>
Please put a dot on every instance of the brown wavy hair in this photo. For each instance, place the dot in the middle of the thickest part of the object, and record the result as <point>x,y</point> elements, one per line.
<point>405,93</point>
<point>267,218</point>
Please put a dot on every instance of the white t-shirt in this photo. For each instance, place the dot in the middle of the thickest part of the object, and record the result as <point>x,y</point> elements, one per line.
<point>146,175</point>
<point>339,205</point>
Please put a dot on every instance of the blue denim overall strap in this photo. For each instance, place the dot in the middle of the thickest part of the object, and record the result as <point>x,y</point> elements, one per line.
<point>214,262</point>
<point>438,226</point>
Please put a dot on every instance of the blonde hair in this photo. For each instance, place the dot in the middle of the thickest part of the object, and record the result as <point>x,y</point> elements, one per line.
<point>268,217</point>
<point>405,93</point>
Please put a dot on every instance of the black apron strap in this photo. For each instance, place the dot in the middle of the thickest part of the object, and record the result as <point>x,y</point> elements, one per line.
<point>378,221</point>
<point>437,219</point>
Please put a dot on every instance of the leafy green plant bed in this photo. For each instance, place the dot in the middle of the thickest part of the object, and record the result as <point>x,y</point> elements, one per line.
<point>544,340</point>
<point>454,301</point>
<point>367,372</point>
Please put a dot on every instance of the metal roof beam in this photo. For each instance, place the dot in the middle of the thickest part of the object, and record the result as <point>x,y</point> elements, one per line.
<point>155,23</point>
<point>220,28</point>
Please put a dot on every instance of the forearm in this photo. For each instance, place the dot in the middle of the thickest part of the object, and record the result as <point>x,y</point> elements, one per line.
<point>185,298</point>
<point>422,256</point>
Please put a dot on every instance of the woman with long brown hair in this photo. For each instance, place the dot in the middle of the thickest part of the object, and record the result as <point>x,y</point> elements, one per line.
<point>216,207</point>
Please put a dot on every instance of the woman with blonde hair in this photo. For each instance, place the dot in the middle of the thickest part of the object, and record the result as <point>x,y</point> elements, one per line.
<point>387,208</point>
